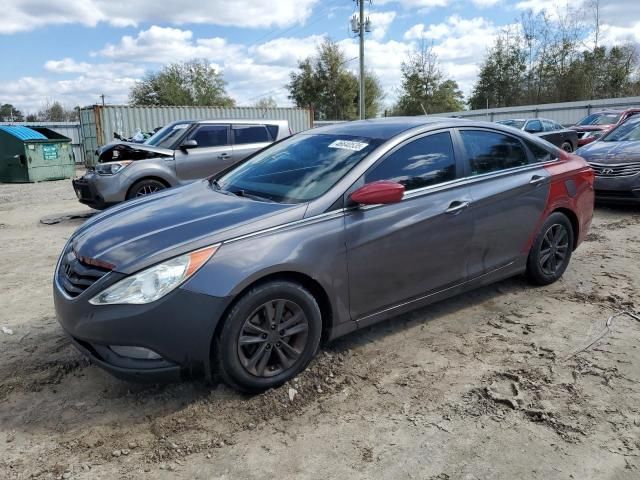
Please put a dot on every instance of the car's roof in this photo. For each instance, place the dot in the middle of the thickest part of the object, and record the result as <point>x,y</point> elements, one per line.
<point>251,121</point>
<point>386,128</point>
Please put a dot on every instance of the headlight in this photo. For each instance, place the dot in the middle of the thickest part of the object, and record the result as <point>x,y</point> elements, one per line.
<point>111,168</point>
<point>154,282</point>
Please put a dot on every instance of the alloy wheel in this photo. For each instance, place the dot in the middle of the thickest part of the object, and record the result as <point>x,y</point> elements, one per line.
<point>554,249</point>
<point>147,189</point>
<point>272,338</point>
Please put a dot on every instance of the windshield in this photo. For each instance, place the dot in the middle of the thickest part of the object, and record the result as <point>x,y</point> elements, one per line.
<point>299,169</point>
<point>513,123</point>
<point>166,137</point>
<point>627,132</point>
<point>600,119</point>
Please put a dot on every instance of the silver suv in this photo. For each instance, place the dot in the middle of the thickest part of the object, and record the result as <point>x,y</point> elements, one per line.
<point>177,154</point>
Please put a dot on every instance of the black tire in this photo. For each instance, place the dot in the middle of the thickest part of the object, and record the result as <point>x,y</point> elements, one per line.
<point>145,187</point>
<point>245,340</point>
<point>567,147</point>
<point>551,251</point>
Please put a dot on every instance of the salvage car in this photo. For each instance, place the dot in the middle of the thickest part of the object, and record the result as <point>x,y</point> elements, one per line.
<point>242,275</point>
<point>178,154</point>
<point>551,131</point>
<point>595,125</point>
<point>615,159</point>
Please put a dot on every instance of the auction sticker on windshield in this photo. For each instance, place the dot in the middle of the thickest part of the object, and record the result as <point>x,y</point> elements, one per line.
<point>348,145</point>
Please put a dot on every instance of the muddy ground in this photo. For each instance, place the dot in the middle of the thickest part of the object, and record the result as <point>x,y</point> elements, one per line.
<point>491,385</point>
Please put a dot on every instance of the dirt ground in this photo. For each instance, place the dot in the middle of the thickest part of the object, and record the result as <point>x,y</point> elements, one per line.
<point>490,385</point>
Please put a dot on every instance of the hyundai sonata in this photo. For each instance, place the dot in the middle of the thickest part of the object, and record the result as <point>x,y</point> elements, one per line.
<point>243,275</point>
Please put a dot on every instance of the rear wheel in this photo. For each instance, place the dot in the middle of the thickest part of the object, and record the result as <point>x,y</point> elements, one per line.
<point>268,337</point>
<point>551,251</point>
<point>145,187</point>
<point>567,147</point>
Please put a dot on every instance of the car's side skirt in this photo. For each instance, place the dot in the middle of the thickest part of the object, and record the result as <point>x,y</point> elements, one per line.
<point>514,268</point>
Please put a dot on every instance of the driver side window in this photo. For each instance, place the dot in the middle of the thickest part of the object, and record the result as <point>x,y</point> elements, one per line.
<point>211,136</point>
<point>423,162</point>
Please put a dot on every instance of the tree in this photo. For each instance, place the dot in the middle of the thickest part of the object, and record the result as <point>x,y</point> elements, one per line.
<point>9,113</point>
<point>266,103</point>
<point>194,82</point>
<point>502,74</point>
<point>325,84</point>
<point>54,111</point>
<point>424,89</point>
<point>32,117</point>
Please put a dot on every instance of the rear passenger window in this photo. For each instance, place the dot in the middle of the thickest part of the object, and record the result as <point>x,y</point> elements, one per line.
<point>273,131</point>
<point>250,134</point>
<point>491,151</point>
<point>211,136</point>
<point>540,154</point>
<point>426,161</point>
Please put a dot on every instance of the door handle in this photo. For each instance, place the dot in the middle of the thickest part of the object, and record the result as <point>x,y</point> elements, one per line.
<point>223,156</point>
<point>456,207</point>
<point>537,179</point>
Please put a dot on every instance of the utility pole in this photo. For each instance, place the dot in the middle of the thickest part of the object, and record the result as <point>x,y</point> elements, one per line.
<point>360,25</point>
<point>102,97</point>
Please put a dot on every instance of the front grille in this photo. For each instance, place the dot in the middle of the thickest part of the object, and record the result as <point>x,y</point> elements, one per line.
<point>76,276</point>
<point>616,194</point>
<point>620,170</point>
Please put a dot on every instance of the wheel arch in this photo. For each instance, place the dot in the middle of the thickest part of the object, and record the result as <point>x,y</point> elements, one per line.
<point>575,224</point>
<point>313,286</point>
<point>142,178</point>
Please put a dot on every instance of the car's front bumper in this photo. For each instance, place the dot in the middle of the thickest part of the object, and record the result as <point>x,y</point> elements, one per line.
<point>100,191</point>
<point>179,328</point>
<point>618,189</point>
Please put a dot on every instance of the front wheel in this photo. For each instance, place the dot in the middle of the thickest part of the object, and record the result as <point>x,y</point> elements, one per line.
<point>551,251</point>
<point>146,187</point>
<point>268,337</point>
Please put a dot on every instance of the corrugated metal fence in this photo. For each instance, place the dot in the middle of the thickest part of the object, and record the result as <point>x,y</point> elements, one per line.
<point>68,129</point>
<point>99,123</point>
<point>567,113</point>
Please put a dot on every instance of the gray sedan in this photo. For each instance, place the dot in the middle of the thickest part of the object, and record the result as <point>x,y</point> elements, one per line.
<point>244,274</point>
<point>615,159</point>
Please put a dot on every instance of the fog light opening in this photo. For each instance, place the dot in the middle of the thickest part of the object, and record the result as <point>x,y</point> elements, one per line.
<point>139,353</point>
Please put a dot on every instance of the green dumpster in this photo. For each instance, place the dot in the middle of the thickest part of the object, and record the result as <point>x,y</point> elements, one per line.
<point>34,155</point>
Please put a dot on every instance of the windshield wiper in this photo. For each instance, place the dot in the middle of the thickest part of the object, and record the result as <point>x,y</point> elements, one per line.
<point>252,196</point>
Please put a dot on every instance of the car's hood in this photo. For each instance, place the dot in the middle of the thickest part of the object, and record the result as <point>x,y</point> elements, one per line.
<point>611,153</point>
<point>142,232</point>
<point>130,151</point>
<point>591,128</point>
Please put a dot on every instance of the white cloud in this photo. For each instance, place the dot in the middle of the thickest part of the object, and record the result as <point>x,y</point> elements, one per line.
<point>166,44</point>
<point>485,3</point>
<point>381,21</point>
<point>25,15</point>
<point>424,4</point>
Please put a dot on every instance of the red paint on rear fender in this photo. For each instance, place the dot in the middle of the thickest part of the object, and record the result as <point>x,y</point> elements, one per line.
<point>570,167</point>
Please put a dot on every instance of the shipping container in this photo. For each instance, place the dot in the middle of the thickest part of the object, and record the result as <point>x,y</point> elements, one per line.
<point>99,123</point>
<point>34,155</point>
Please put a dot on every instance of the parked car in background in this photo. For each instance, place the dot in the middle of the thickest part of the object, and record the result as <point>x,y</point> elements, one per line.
<point>595,125</point>
<point>179,153</point>
<point>331,230</point>
<point>551,131</point>
<point>615,159</point>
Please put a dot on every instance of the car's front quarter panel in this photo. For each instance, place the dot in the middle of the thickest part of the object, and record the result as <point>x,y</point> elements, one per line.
<point>313,247</point>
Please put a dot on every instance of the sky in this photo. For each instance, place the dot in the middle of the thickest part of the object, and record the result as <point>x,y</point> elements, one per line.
<point>76,50</point>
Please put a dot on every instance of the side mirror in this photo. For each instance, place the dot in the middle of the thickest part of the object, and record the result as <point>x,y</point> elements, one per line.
<point>187,144</point>
<point>381,192</point>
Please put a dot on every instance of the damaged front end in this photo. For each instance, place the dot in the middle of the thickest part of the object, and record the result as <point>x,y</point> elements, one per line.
<point>115,152</point>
